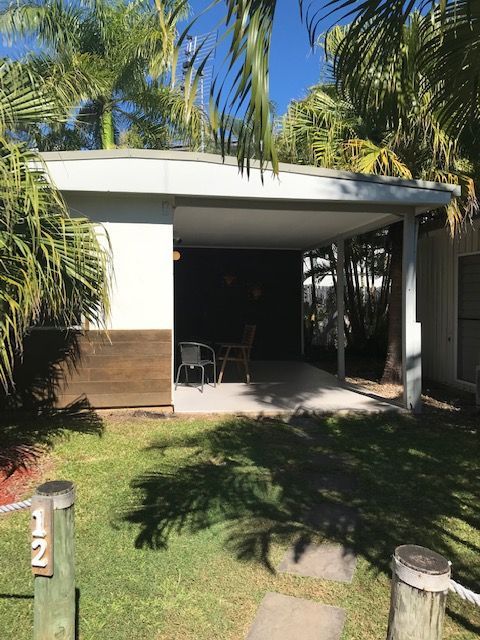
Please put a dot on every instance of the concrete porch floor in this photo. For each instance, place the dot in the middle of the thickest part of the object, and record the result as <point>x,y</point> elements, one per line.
<point>276,387</point>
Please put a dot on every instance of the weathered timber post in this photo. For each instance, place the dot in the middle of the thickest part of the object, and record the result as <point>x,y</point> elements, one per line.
<point>53,561</point>
<point>420,579</point>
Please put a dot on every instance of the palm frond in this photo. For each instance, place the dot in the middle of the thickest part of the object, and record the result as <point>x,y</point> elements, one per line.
<point>50,263</point>
<point>367,157</point>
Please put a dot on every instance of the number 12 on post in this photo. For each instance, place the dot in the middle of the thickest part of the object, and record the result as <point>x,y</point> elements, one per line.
<point>42,536</point>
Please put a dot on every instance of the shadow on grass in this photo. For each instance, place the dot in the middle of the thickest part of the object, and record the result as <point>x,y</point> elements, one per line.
<point>24,435</point>
<point>409,480</point>
<point>29,422</point>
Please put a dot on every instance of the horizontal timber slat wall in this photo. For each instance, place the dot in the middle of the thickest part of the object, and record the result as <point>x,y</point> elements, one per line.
<point>124,368</point>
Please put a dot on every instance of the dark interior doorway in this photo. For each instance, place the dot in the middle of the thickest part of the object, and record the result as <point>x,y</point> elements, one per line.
<point>218,291</point>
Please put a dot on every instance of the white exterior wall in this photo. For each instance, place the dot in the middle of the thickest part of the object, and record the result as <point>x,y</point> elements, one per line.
<point>140,231</point>
<point>437,299</point>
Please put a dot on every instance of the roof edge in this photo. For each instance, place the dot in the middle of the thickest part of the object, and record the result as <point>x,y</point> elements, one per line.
<point>210,158</point>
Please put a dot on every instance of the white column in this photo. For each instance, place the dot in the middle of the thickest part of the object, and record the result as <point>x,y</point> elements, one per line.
<point>411,329</point>
<point>341,309</point>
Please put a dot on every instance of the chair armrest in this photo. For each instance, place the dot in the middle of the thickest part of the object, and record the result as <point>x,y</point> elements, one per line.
<point>201,345</point>
<point>206,346</point>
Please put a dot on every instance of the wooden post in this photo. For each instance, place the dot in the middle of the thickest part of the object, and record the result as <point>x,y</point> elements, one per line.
<point>420,579</point>
<point>54,604</point>
<point>341,309</point>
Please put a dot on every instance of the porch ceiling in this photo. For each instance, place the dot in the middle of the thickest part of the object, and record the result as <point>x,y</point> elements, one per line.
<point>249,225</point>
<point>214,205</point>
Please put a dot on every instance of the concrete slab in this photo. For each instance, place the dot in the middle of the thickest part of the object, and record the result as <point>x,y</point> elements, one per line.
<point>324,561</point>
<point>282,617</point>
<point>278,387</point>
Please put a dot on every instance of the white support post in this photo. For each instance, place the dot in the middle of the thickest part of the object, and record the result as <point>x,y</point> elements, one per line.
<point>341,309</point>
<point>411,329</point>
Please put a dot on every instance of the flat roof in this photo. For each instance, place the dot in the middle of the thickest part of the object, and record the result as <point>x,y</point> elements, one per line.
<point>216,205</point>
<point>210,158</point>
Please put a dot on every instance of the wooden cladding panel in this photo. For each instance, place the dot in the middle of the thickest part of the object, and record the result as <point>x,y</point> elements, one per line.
<point>119,369</point>
<point>112,401</point>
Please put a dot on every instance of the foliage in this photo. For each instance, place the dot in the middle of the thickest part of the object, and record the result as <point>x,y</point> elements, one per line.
<point>331,130</point>
<point>51,265</point>
<point>367,284</point>
<point>449,42</point>
<point>124,50</point>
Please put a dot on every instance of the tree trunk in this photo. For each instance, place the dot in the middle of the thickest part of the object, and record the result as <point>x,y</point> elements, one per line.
<point>107,129</point>
<point>354,307</point>
<point>392,372</point>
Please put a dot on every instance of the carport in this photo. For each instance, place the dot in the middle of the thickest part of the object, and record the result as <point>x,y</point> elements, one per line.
<point>152,202</point>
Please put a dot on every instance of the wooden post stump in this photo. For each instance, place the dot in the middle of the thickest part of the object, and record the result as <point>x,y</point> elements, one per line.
<point>54,604</point>
<point>420,579</point>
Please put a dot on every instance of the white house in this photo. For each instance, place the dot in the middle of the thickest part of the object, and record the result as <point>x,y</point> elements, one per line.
<point>153,201</point>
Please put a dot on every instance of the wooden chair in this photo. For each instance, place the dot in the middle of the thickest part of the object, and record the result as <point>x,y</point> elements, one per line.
<point>238,352</point>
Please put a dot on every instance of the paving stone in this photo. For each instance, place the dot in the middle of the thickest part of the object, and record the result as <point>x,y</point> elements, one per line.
<point>335,481</point>
<point>325,561</point>
<point>332,520</point>
<point>282,617</point>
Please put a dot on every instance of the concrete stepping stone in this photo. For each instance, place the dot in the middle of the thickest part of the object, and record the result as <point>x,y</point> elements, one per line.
<point>336,481</point>
<point>332,520</point>
<point>325,561</point>
<point>282,617</point>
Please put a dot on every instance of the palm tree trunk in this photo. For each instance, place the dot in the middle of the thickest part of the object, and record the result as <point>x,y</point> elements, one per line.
<point>107,129</point>
<point>392,372</point>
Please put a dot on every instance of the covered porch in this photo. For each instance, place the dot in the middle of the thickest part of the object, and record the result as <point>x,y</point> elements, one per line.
<point>279,387</point>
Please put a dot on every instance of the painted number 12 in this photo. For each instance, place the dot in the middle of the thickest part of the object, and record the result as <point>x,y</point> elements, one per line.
<point>39,542</point>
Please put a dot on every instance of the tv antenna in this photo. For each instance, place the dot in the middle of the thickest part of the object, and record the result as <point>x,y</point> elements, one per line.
<point>194,52</point>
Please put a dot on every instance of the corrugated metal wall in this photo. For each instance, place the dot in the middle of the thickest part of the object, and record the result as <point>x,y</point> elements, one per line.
<point>436,290</point>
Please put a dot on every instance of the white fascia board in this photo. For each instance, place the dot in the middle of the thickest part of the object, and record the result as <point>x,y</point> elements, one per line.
<point>192,178</point>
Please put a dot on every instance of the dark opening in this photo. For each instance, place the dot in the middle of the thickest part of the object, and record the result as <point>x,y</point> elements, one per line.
<point>218,291</point>
<point>468,316</point>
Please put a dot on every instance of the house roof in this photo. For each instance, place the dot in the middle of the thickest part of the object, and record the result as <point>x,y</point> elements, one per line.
<point>215,205</point>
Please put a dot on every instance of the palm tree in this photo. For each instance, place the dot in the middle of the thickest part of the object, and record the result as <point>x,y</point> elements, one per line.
<point>328,130</point>
<point>125,49</point>
<point>51,266</point>
<point>449,56</point>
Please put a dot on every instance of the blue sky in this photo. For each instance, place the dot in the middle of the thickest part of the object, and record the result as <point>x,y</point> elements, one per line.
<point>294,67</point>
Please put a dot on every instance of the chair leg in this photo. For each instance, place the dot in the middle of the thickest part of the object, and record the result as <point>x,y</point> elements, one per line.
<point>178,376</point>
<point>214,374</point>
<point>245,361</point>
<point>224,364</point>
<point>203,376</point>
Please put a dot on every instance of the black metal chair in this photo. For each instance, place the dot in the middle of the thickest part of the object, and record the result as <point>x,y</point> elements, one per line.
<point>191,358</point>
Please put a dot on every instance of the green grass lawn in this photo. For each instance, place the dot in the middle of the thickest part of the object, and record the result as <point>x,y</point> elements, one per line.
<point>180,523</point>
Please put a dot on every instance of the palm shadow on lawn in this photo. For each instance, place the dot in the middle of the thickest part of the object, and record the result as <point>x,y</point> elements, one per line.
<point>25,436</point>
<point>410,480</point>
<point>29,422</point>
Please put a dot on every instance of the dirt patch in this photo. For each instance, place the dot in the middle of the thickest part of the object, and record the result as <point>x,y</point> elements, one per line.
<point>388,391</point>
<point>365,373</point>
<point>435,397</point>
<point>126,415</point>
